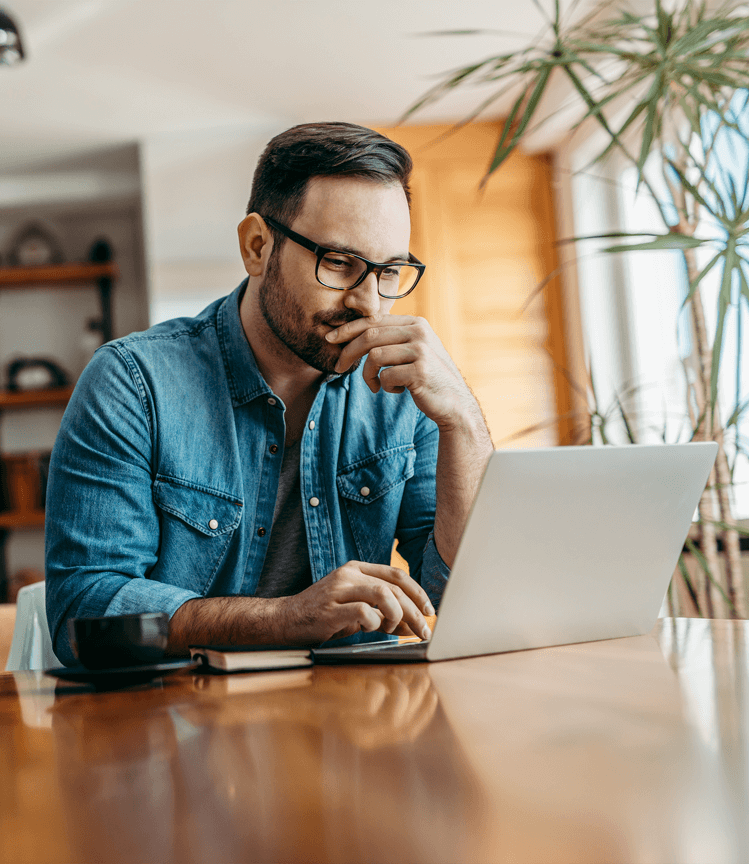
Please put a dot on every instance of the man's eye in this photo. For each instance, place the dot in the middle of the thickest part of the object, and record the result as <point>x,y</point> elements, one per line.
<point>392,274</point>
<point>336,263</point>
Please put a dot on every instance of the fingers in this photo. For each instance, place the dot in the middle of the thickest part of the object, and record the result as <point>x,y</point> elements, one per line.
<point>389,599</point>
<point>378,595</point>
<point>356,617</point>
<point>362,597</point>
<point>351,329</point>
<point>398,577</point>
<point>411,601</point>
<point>353,618</point>
<point>395,379</point>
<point>390,330</point>
<point>404,631</point>
<point>392,356</point>
<point>372,341</point>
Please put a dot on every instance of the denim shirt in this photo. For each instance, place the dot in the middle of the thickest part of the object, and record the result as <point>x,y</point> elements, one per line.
<point>163,478</point>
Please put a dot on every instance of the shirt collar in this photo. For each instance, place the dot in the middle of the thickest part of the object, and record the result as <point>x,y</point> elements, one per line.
<point>245,379</point>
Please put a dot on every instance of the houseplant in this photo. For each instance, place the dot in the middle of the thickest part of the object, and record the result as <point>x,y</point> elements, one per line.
<point>667,86</point>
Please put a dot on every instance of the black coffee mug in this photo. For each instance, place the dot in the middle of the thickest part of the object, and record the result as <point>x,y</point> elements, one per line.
<point>116,641</point>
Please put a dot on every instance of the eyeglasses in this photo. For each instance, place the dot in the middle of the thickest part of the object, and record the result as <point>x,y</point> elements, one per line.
<point>343,270</point>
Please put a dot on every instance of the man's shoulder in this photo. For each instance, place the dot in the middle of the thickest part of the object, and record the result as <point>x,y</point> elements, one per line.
<point>171,356</point>
<point>173,330</point>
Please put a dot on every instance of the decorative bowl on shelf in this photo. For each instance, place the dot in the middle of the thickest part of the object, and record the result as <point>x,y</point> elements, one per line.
<point>34,246</point>
<point>35,373</point>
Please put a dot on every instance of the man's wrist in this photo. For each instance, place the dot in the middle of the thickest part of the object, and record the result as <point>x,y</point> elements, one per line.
<point>228,621</point>
<point>281,620</point>
<point>468,423</point>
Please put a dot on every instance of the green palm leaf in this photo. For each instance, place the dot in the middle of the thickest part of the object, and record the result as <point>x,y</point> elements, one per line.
<point>505,147</point>
<point>695,283</point>
<point>672,240</point>
<point>705,567</point>
<point>731,262</point>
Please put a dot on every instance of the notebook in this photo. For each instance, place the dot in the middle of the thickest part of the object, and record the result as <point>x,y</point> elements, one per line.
<point>245,658</point>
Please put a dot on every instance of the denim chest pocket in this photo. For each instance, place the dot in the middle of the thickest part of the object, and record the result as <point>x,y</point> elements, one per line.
<point>372,490</point>
<point>197,525</point>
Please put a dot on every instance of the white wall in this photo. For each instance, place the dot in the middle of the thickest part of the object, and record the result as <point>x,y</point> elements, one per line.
<point>195,191</point>
<point>622,298</point>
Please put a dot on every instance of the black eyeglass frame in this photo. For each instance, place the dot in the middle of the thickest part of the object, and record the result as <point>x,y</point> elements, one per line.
<point>370,266</point>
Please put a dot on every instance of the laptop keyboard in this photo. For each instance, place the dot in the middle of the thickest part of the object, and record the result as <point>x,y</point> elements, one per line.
<point>391,648</point>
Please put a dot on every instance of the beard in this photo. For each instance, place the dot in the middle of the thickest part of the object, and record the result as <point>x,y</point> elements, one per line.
<point>289,324</point>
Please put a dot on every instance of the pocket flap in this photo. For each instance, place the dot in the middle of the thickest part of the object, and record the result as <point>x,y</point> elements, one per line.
<point>210,512</point>
<point>370,479</point>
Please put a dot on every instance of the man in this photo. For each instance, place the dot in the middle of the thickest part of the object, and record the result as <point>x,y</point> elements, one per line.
<point>244,471</point>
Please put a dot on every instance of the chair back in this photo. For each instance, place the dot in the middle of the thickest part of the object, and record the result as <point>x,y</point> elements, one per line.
<point>31,647</point>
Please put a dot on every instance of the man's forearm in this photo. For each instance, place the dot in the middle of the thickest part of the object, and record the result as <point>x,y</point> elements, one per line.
<point>464,450</point>
<point>227,621</point>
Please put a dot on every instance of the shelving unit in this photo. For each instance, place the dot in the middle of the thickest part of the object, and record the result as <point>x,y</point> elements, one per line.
<point>13,520</point>
<point>63,276</point>
<point>54,274</point>
<point>100,276</point>
<point>34,398</point>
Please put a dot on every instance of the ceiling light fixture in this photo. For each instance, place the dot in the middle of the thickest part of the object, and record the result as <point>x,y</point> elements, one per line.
<point>11,47</point>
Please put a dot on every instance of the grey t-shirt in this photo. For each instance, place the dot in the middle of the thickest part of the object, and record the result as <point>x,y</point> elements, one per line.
<point>286,569</point>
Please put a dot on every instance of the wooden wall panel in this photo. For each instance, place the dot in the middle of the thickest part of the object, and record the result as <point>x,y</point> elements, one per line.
<point>7,623</point>
<point>485,252</point>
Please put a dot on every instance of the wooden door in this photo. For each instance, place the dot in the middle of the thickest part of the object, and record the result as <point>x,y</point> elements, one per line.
<point>485,252</point>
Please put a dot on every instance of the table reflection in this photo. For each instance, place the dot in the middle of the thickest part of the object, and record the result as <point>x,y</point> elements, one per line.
<point>584,756</point>
<point>711,660</point>
<point>628,750</point>
<point>293,766</point>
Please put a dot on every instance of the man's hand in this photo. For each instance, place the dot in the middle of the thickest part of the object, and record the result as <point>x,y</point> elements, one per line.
<point>405,353</point>
<point>357,596</point>
<point>354,597</point>
<point>415,359</point>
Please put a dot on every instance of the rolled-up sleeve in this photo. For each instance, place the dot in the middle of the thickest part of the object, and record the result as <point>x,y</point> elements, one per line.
<point>415,532</point>
<point>102,528</point>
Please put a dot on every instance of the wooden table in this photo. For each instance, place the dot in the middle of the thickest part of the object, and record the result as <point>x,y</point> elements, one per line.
<point>631,750</point>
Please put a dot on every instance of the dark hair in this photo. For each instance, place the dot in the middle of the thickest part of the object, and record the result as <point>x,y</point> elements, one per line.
<point>294,157</point>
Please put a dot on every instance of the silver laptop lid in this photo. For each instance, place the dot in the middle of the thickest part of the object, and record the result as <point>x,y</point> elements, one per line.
<point>569,544</point>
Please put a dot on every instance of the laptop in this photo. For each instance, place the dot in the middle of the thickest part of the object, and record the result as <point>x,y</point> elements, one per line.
<point>562,545</point>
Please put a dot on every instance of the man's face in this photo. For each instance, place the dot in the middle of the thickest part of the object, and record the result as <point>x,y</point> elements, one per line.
<point>367,218</point>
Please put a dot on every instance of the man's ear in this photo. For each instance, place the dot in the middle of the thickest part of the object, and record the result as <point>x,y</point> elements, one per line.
<point>255,243</point>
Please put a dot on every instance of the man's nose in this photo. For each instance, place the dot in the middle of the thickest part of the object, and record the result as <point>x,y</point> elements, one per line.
<point>365,297</point>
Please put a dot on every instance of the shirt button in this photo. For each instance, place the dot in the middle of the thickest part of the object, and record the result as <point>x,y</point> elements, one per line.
<point>261,532</point>
<point>313,502</point>
<point>271,401</point>
<point>213,524</point>
<point>364,491</point>
<point>311,424</point>
<point>273,448</point>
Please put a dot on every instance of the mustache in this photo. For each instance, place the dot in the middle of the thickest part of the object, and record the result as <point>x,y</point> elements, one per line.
<point>337,320</point>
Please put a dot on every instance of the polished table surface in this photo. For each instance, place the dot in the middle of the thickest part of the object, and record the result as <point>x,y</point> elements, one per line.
<point>629,750</point>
